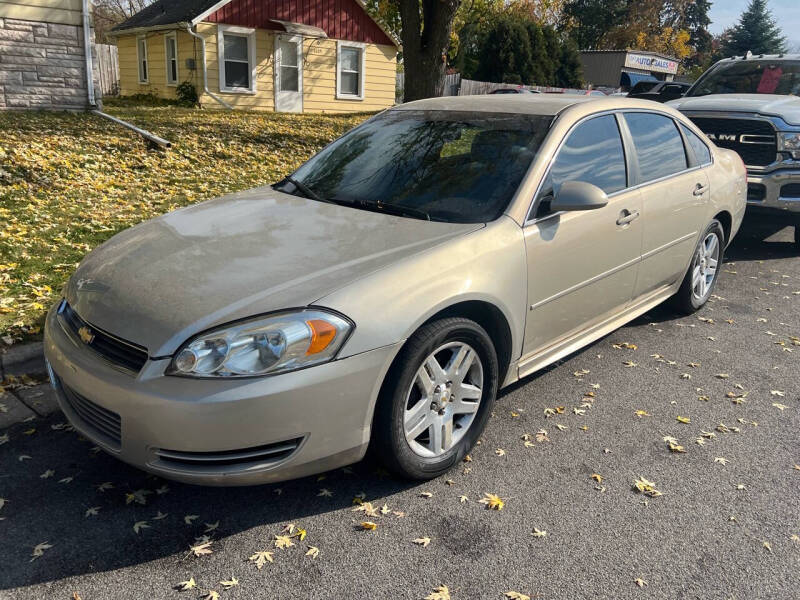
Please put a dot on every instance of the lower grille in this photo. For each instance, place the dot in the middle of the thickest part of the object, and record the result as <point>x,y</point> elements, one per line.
<point>791,190</point>
<point>256,457</point>
<point>101,422</point>
<point>756,192</point>
<point>753,139</point>
<point>119,352</point>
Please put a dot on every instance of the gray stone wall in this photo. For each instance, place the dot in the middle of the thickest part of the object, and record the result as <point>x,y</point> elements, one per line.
<point>42,65</point>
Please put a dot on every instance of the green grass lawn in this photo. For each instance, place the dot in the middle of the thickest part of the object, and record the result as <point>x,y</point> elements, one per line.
<point>69,181</point>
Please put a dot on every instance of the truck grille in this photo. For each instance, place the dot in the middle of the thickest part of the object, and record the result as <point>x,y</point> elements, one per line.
<point>100,422</point>
<point>119,352</point>
<point>753,139</point>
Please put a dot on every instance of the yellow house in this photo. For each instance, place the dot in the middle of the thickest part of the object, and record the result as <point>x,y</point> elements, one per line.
<point>283,55</point>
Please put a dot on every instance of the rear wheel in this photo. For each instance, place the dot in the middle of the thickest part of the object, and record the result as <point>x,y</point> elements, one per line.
<point>797,236</point>
<point>700,279</point>
<point>436,399</point>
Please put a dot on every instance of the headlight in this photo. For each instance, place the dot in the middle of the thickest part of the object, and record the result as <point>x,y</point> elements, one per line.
<point>264,346</point>
<point>789,142</point>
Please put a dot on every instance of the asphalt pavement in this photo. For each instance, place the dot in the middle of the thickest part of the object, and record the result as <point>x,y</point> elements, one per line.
<point>726,524</point>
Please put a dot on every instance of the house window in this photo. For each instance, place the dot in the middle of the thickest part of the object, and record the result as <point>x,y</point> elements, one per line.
<point>171,49</point>
<point>350,71</point>
<point>141,48</point>
<point>237,59</point>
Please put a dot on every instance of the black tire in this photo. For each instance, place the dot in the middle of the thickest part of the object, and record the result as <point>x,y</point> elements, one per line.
<point>389,443</point>
<point>684,300</point>
<point>797,236</point>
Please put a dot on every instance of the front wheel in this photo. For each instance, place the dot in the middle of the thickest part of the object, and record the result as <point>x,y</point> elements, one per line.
<point>700,279</point>
<point>797,236</point>
<point>437,398</point>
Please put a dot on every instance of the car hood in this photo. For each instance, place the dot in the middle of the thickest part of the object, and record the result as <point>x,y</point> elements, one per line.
<point>786,107</point>
<point>161,282</point>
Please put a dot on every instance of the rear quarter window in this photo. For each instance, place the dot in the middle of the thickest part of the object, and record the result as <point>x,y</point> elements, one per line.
<point>699,148</point>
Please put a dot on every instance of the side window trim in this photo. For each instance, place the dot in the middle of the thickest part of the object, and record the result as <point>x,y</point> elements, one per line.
<point>631,159</point>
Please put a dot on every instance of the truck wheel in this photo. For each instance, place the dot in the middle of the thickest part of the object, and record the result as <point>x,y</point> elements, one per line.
<point>700,279</point>
<point>797,236</point>
<point>436,399</point>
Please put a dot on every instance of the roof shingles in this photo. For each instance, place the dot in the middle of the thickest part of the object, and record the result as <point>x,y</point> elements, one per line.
<point>166,12</point>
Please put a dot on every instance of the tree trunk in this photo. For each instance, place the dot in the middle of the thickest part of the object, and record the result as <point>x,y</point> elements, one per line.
<point>426,37</point>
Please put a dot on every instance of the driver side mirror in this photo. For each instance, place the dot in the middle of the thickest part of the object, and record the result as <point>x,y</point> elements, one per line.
<point>578,195</point>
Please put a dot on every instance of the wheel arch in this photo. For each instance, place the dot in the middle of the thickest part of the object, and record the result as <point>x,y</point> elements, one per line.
<point>726,220</point>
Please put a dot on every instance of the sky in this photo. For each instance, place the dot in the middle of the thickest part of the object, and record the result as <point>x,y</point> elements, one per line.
<point>725,13</point>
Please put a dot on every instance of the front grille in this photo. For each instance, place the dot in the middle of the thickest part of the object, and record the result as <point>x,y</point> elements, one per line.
<point>117,351</point>
<point>756,192</point>
<point>100,422</point>
<point>256,457</point>
<point>729,132</point>
<point>791,190</point>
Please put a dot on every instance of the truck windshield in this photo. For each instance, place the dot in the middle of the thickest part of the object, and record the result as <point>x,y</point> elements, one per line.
<point>459,167</point>
<point>750,77</point>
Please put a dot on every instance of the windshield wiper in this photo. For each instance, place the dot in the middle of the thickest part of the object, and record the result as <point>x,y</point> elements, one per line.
<point>392,209</point>
<point>304,189</point>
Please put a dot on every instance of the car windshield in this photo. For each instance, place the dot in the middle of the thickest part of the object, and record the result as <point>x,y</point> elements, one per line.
<point>750,77</point>
<point>459,167</point>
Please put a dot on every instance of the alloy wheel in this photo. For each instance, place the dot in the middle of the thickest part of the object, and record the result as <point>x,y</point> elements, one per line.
<point>705,267</point>
<point>443,399</point>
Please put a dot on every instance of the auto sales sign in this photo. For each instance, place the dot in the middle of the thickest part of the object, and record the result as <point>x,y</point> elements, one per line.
<point>649,62</point>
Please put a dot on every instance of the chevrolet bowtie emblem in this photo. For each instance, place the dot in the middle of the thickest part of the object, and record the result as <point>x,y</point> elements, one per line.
<point>86,335</point>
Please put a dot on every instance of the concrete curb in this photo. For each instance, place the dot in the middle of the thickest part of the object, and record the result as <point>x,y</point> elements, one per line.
<point>22,359</point>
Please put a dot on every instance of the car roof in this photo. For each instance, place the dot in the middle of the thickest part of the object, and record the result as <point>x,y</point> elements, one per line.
<point>531,104</point>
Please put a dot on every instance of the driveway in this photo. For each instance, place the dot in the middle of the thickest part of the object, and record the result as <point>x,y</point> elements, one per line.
<point>726,524</point>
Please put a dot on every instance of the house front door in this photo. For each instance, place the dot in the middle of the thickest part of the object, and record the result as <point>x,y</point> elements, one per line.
<point>289,73</point>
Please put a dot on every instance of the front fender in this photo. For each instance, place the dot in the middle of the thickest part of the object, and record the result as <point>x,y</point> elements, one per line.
<point>488,265</point>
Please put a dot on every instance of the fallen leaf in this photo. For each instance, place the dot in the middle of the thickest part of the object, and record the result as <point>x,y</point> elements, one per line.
<point>38,550</point>
<point>313,552</point>
<point>423,541</point>
<point>684,420</point>
<point>283,541</point>
<point>189,518</point>
<point>212,595</point>
<point>640,582</point>
<point>139,525</point>
<point>229,583</point>
<point>539,533</point>
<point>368,526</point>
<point>648,488</point>
<point>517,596</point>
<point>721,460</point>
<point>439,593</point>
<point>492,502</point>
<point>261,558</point>
<point>185,586</point>
<point>643,413</point>
<point>325,493</point>
<point>201,549</point>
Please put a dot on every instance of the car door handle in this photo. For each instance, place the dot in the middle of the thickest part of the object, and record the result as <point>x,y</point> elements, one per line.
<point>626,217</point>
<point>700,189</point>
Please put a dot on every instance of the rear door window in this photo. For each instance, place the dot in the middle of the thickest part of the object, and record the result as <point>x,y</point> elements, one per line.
<point>658,145</point>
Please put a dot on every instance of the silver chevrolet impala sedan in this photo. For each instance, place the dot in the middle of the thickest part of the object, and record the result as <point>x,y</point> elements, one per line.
<point>379,296</point>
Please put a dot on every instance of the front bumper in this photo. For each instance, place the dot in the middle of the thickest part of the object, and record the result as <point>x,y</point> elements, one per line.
<point>774,191</point>
<point>219,432</point>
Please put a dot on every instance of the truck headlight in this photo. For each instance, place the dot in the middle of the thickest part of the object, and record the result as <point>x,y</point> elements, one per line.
<point>789,142</point>
<point>263,346</point>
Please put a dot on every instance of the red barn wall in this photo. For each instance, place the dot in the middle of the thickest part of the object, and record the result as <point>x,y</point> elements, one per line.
<point>339,19</point>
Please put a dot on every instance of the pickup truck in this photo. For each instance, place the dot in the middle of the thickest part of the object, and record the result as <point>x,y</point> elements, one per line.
<point>750,104</point>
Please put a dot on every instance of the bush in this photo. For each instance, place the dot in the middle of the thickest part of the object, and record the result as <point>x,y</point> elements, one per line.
<point>187,94</point>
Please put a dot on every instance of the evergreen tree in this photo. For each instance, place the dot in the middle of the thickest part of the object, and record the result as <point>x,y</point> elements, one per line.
<point>506,54</point>
<point>553,45</point>
<point>756,31</point>
<point>569,71</point>
<point>541,62</point>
